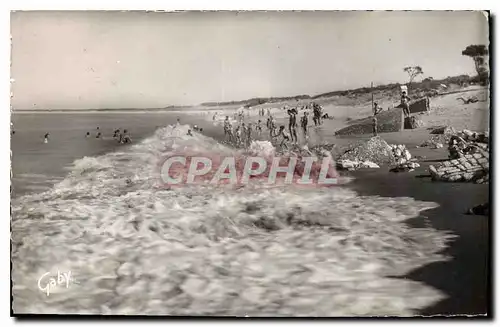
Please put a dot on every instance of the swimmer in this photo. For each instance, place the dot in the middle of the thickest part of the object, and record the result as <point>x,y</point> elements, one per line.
<point>46,138</point>
<point>87,135</point>
<point>125,137</point>
<point>98,135</point>
<point>189,133</point>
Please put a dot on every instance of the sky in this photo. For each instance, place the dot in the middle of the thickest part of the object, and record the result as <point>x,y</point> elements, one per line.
<point>92,59</point>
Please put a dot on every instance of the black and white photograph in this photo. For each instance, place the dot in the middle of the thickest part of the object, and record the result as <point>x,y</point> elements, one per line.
<point>250,163</point>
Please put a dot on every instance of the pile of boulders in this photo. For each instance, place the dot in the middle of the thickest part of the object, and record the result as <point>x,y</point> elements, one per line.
<point>375,150</point>
<point>469,159</point>
<point>402,159</point>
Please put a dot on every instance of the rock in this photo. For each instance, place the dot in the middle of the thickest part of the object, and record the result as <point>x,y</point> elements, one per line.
<point>443,130</point>
<point>405,167</point>
<point>347,164</point>
<point>480,210</point>
<point>468,134</point>
<point>369,164</point>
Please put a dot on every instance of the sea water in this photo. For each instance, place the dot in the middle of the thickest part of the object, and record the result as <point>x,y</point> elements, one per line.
<point>135,247</point>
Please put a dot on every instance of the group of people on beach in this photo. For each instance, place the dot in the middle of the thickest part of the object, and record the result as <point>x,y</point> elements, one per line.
<point>243,133</point>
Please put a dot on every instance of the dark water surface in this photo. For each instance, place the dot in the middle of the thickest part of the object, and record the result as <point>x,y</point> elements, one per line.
<point>37,166</point>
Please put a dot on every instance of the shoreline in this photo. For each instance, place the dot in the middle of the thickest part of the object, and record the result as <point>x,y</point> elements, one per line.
<point>466,288</point>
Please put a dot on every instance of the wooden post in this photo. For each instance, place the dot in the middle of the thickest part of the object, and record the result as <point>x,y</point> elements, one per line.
<point>372,95</point>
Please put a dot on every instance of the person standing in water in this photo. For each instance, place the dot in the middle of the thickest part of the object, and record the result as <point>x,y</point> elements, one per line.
<point>248,135</point>
<point>292,124</point>
<point>46,138</point>
<point>237,134</point>
<point>303,123</point>
<point>272,125</point>
<point>228,129</point>
<point>87,135</point>
<point>125,137</point>
<point>258,128</point>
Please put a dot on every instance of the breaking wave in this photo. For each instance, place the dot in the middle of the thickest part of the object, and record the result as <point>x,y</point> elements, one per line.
<point>134,247</point>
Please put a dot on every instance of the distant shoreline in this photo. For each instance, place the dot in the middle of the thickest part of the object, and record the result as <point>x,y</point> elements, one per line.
<point>426,84</point>
<point>101,111</point>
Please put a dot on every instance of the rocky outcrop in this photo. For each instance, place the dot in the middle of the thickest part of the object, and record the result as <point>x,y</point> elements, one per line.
<point>413,122</point>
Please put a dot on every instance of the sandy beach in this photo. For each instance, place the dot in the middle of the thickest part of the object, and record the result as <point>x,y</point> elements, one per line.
<point>130,197</point>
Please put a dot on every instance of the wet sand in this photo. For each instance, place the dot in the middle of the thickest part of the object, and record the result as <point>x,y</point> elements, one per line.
<point>465,279</point>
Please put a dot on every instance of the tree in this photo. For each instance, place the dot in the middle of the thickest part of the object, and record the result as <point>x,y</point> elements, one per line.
<point>413,71</point>
<point>478,53</point>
